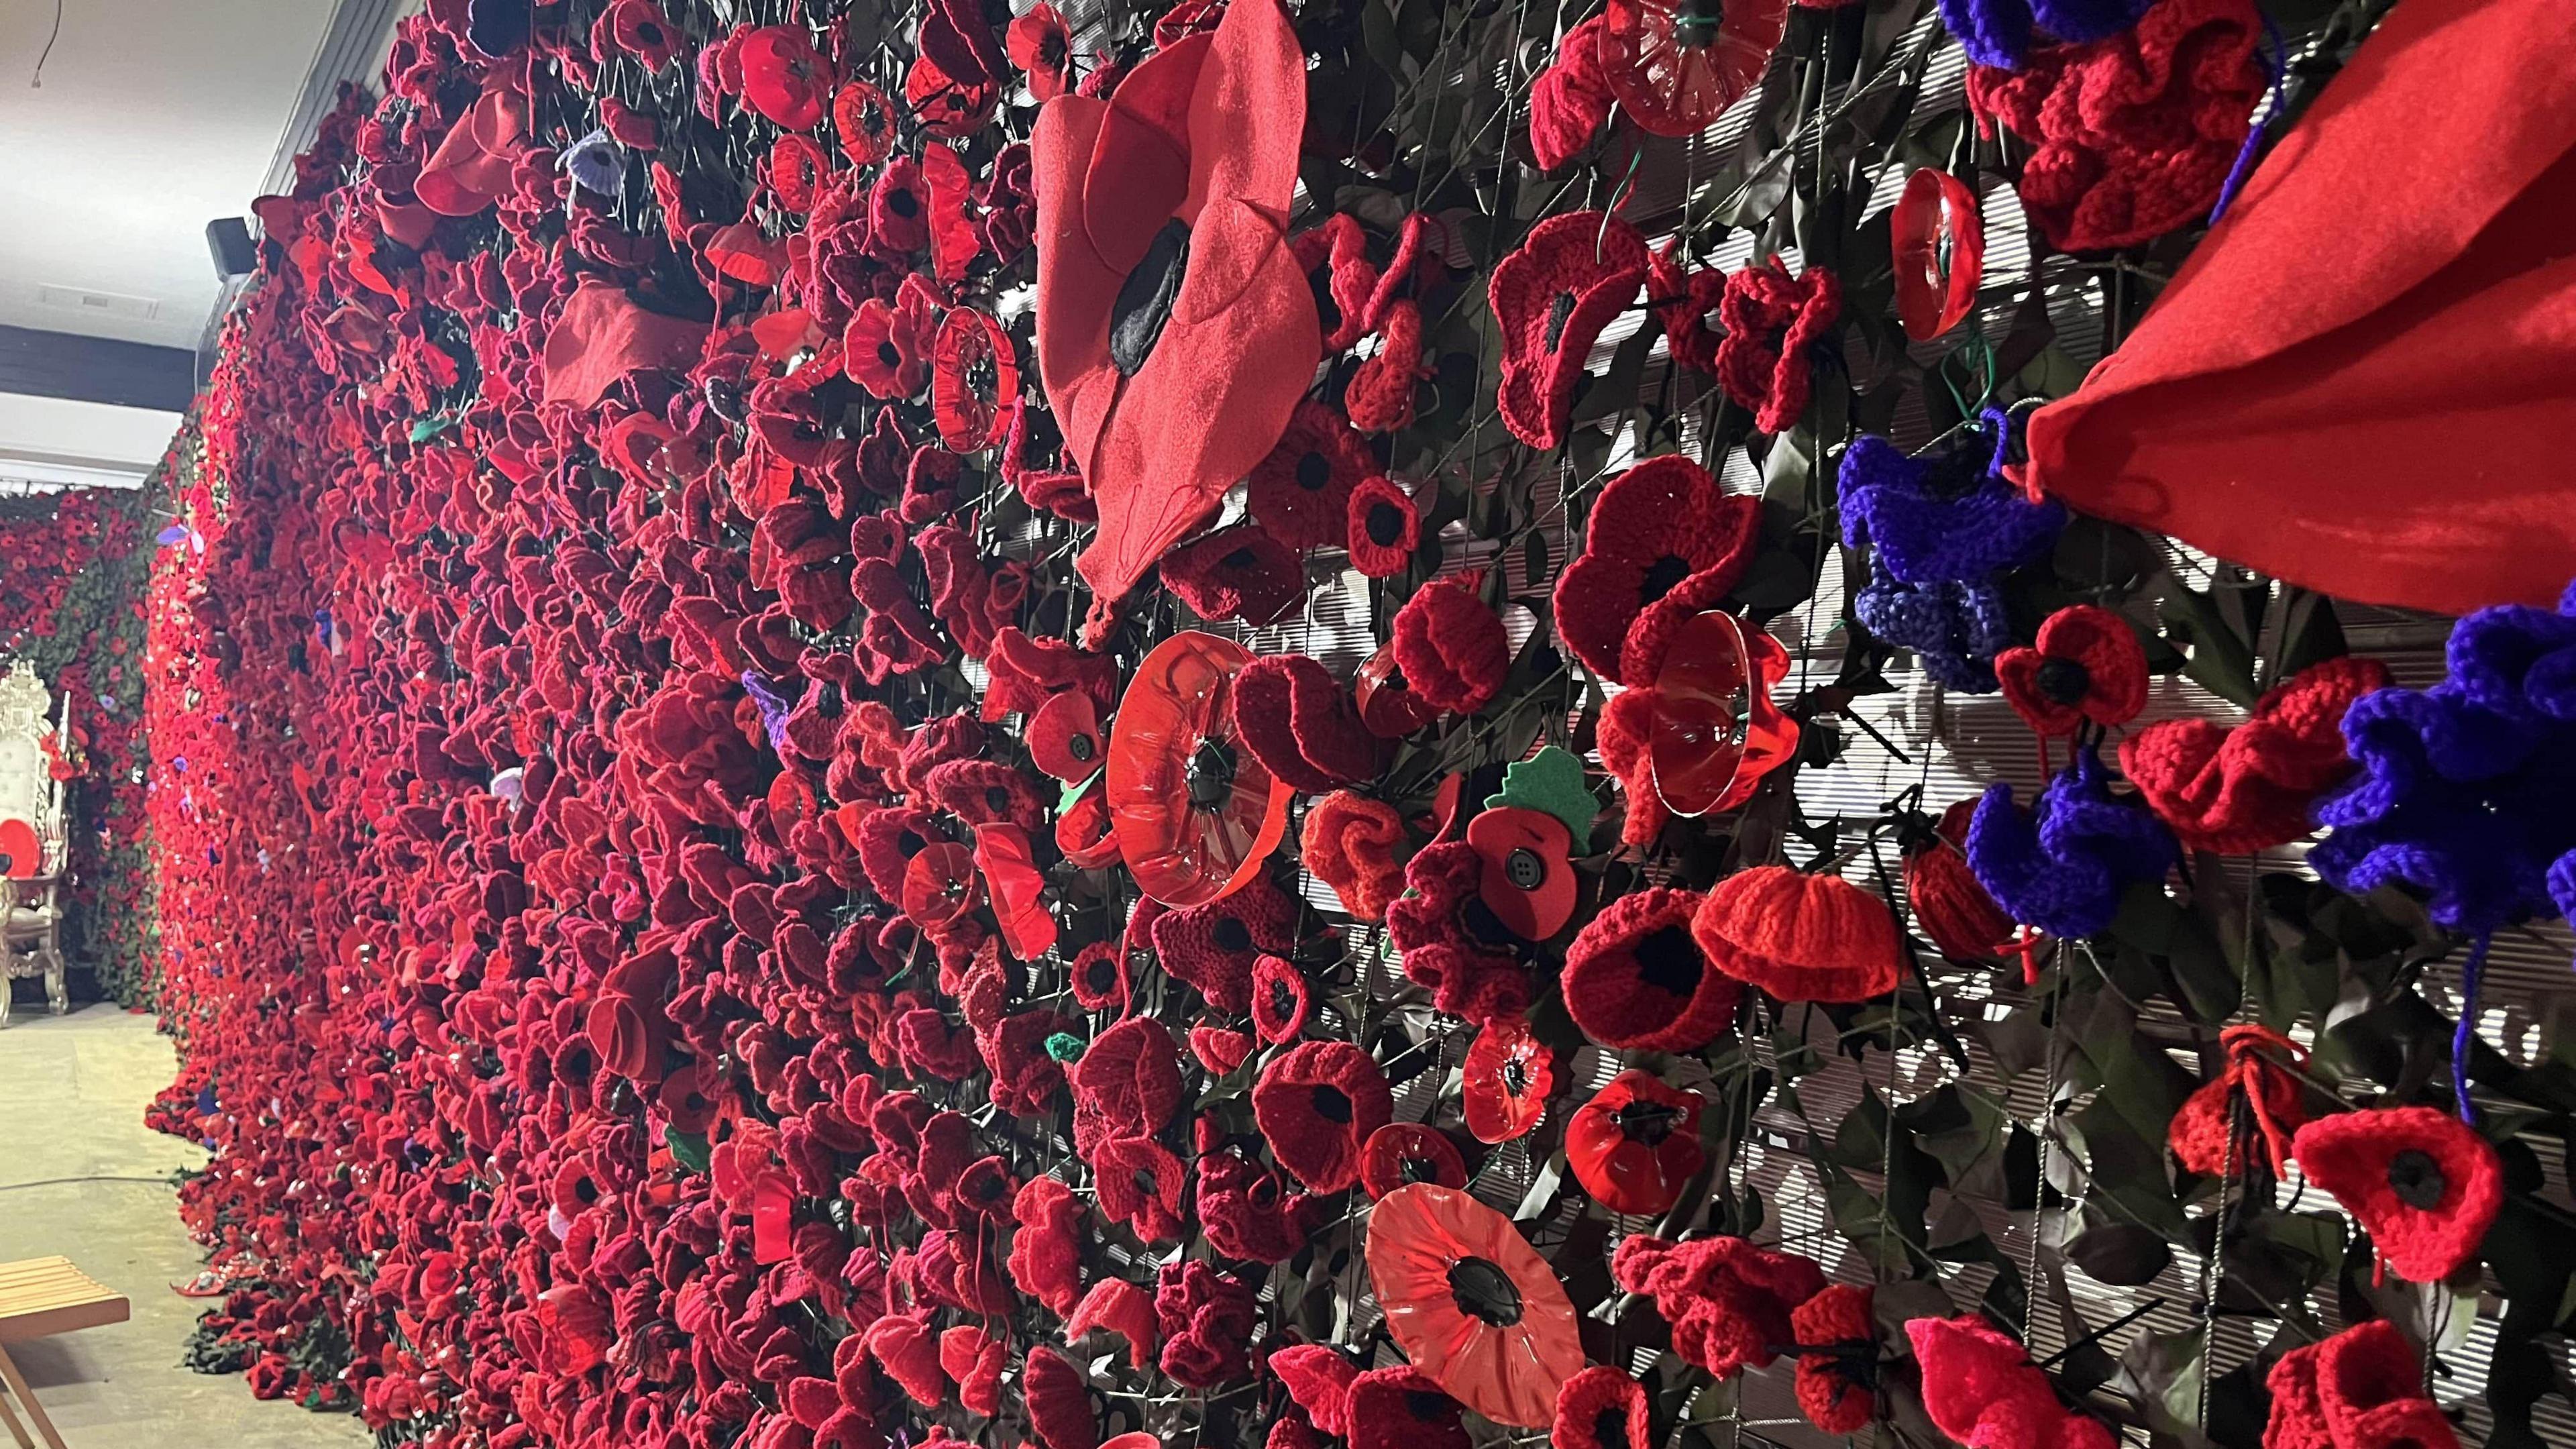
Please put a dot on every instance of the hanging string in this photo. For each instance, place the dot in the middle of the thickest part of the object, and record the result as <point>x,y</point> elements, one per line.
<point>2465,1035</point>
<point>2277,67</point>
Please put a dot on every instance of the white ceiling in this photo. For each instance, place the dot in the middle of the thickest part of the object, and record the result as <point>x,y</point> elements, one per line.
<point>156,117</point>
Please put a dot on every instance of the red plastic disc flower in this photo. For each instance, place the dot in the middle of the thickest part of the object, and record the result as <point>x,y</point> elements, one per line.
<point>1317,1104</point>
<point>1405,1152</point>
<point>973,376</point>
<point>1938,234</point>
<point>1800,937</point>
<point>1653,526</point>
<point>2423,1185</point>
<point>1509,1076</point>
<point>1475,1308</point>
<point>1175,332</point>
<point>1635,1145</point>
<point>1636,980</point>
<point>1551,298</point>
<point>783,76</point>
<point>1676,64</point>
<point>2087,666</point>
<point>1195,814</point>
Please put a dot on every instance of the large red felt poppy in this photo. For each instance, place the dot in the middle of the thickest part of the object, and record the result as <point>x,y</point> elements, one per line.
<point>1675,64</point>
<point>1194,813</point>
<point>1476,1308</point>
<point>1175,331</point>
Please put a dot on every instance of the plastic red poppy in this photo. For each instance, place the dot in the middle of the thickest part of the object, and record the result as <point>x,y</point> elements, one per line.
<point>973,376</point>
<point>1717,733</point>
<point>1676,64</point>
<point>26,854</point>
<point>1389,709</point>
<point>1194,813</point>
<point>1002,852</point>
<point>1507,1078</point>
<point>1527,881</point>
<point>1401,1153</point>
<point>1635,1145</point>
<point>939,885</point>
<point>1472,1304</point>
<point>1940,239</point>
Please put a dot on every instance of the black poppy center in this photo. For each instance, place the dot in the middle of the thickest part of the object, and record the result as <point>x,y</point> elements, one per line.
<point>1516,1082</point>
<point>997,799</point>
<point>889,354</point>
<point>1385,524</point>
<point>1646,1123</point>
<point>910,843</point>
<point>903,203</point>
<point>1102,975</point>
<point>2064,681</point>
<point>1052,48</point>
<point>1232,935</point>
<point>648,35</point>
<point>982,379</point>
<point>1314,471</point>
<point>695,1103</point>
<point>1610,1428</point>
<point>2417,1179</point>
<point>1332,1104</point>
<point>1668,960</point>
<point>585,1191</point>
<point>1559,308</point>
<point>1486,1291</point>
<point>1210,774</point>
<point>1426,1407</point>
<point>1241,560</point>
<point>1660,577</point>
<point>1144,1180</point>
<point>1422,1167</point>
<point>1283,1002</point>
<point>1145,299</point>
<point>1081,747</point>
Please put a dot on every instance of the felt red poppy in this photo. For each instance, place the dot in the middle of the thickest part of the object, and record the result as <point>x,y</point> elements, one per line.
<point>864,121</point>
<point>1175,333</point>
<point>1980,1387</point>
<point>1728,1300</point>
<point>1635,1145</point>
<point>1939,237</point>
<point>1301,492</point>
<point>1236,573</point>
<point>783,76</point>
<point>1837,1380</point>
<point>1280,1000</point>
<point>2422,1184</point>
<point>1601,1408</point>
<point>1451,942</point>
<point>1799,937</point>
<point>1948,901</point>
<point>1064,737</point>
<point>1508,1077</point>
<point>2237,791</point>
<point>974,375</point>
<point>1676,64</point>
<point>1404,1152</point>
<point>1653,526</point>
<point>1636,980</point>
<point>1451,645</point>
<point>1349,843</point>
<point>1041,45</point>
<point>1551,297</point>
<point>1475,1308</point>
<point>1381,527</point>
<point>1525,878</point>
<point>1213,946</point>
<point>1773,323</point>
<point>1301,724</point>
<point>2087,666</point>
<point>1194,814</point>
<point>1317,1103</point>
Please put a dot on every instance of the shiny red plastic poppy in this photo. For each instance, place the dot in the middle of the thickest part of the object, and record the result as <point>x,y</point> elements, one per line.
<point>1940,239</point>
<point>1194,813</point>
<point>1717,733</point>
<point>939,885</point>
<point>1635,1145</point>
<point>26,853</point>
<point>1508,1076</point>
<point>1676,64</point>
<point>973,377</point>
<point>1389,709</point>
<point>1002,852</point>
<point>1472,1304</point>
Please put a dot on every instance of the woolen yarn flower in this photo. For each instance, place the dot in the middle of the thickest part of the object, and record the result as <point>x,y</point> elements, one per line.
<point>1236,573</point>
<point>1451,942</point>
<point>1475,1308</point>
<point>1601,1408</point>
<point>1636,979</point>
<point>1799,937</point>
<point>1280,1000</point>
<point>1945,896</point>
<point>1317,1104</point>
<point>1948,516</point>
<point>1998,32</point>
<point>2423,1185</point>
<point>1214,947</point>
<point>1349,843</point>
<point>1302,724</point>
<point>1301,492</point>
<point>2087,667</point>
<point>1773,323</point>
<point>1653,527</point>
<point>1980,1387</point>
<point>1728,1300</point>
<point>2249,788</point>
<point>1837,1380</point>
<point>2064,867</point>
<point>1451,645</point>
<point>1551,297</point>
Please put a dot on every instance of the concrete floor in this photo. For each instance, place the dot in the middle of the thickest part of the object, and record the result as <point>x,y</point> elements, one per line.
<point>72,1093</point>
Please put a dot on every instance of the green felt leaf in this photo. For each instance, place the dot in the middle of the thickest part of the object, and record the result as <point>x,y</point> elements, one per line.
<point>1550,781</point>
<point>689,1149</point>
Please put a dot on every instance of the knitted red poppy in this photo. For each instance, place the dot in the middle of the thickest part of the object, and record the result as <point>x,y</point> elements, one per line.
<point>1026,670</point>
<point>1601,1408</point>
<point>1124,1309</point>
<point>1571,98</point>
<point>1099,977</point>
<point>1139,1183</point>
<point>1248,1214</point>
<point>2087,665</point>
<point>2298,1418</point>
<point>1636,980</point>
<point>904,1345</point>
<point>974,1359</point>
<point>1451,645</point>
<point>2263,1064</point>
<point>2237,791</point>
<point>1334,257</point>
<point>2422,1184</point>
<point>1508,1077</point>
<point>1635,1145</point>
<point>1317,1103</point>
<point>1046,1254</point>
<point>1838,1378</point>
<point>1947,899</point>
<point>2135,132</point>
<point>1551,298</point>
<point>1399,1408</point>
<point>1980,1387</point>
<point>1219,1049</point>
<point>2369,1386</point>
<point>1450,942</point>
<point>1301,493</point>
<point>1206,1317</point>
<point>1318,1379</point>
<point>1382,388</point>
<point>1349,843</point>
<point>1280,1000</point>
<point>1382,527</point>
<point>1727,1300</point>
<point>863,121</point>
<point>1214,947</point>
<point>1800,937</point>
<point>1059,1403</point>
<point>1301,724</point>
<point>985,792</point>
<point>1236,573</point>
<point>887,840</point>
<point>1773,323</point>
<point>1653,526</point>
<point>1127,1083</point>
<point>1403,1152</point>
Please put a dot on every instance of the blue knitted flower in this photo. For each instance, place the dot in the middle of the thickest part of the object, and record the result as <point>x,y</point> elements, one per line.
<point>2063,867</point>
<point>1949,516</point>
<point>1998,32</point>
<point>1955,629</point>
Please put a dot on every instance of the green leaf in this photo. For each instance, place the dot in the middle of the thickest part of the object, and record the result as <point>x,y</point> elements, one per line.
<point>689,1149</point>
<point>2124,1255</point>
<point>2310,632</point>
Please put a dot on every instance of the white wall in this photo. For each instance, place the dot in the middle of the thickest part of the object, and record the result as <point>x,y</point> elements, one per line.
<point>47,439</point>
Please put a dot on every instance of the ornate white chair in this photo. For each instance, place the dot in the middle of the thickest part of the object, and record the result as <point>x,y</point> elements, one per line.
<point>30,890</point>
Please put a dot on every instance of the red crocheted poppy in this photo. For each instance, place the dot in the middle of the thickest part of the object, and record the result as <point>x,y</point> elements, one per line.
<point>1382,388</point>
<point>1219,1049</point>
<point>2087,665</point>
<point>1383,527</point>
<point>1318,1379</point>
<point>1064,737</point>
<point>1451,942</point>
<point>2135,132</point>
<point>984,792</point>
<point>1280,1000</point>
<point>1508,1077</point>
<point>1571,98</point>
<point>1838,1371</point>
<point>1948,901</point>
<point>1124,1309</point>
<point>2263,1064</point>
<point>974,1359</point>
<point>1602,1408</point>
<point>1773,323</point>
<point>1635,1145</point>
<point>1247,1213</point>
<point>1349,843</point>
<point>863,120</point>
<point>1127,1082</point>
<point>1405,1152</point>
<point>886,348</point>
<point>1083,833</point>
<point>1800,937</point>
<point>1236,573</point>
<point>974,375</point>
<point>1980,1387</point>
<point>1025,670</point>
<point>1033,462</point>
<point>1099,973</point>
<point>887,839</point>
<point>1215,946</point>
<point>1636,980</point>
<point>2237,791</point>
<point>1399,1408</point>
<point>2369,1387</point>
<point>1451,645</point>
<point>1727,1300</point>
<point>1334,257</point>
<point>1059,1403</point>
<point>1302,491</point>
<point>1683,298</point>
<point>904,1345</point>
<point>1301,724</point>
<point>1653,527</point>
<point>1206,1317</point>
<point>2422,1184</point>
<point>1046,1252</point>
<point>1317,1103</point>
<point>1139,1182</point>
<point>1175,332</point>
<point>1551,298</point>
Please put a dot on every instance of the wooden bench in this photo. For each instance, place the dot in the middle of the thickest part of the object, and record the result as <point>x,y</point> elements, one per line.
<point>39,1298</point>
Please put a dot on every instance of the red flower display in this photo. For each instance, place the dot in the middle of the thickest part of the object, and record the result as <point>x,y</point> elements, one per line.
<point>1350,843</point>
<point>2237,791</point>
<point>1451,646</point>
<point>1773,324</point>
<point>1837,1378</point>
<point>1471,1304</point>
<point>1727,1300</point>
<point>1636,979</point>
<point>2087,666</point>
<point>1635,1145</point>
<point>1302,491</point>
<point>1601,1408</point>
<point>2424,1186</point>
<point>1383,527</point>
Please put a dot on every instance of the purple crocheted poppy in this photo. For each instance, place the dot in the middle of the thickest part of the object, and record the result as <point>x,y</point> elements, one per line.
<point>2063,868</point>
<point>1949,516</point>
<point>1997,32</point>
<point>1956,629</point>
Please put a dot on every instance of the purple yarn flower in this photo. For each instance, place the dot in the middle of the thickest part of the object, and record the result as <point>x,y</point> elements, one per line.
<point>1954,629</point>
<point>774,708</point>
<point>1949,516</point>
<point>2064,867</point>
<point>1998,32</point>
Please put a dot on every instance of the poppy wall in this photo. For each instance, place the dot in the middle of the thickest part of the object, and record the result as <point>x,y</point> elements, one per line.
<point>1249,725</point>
